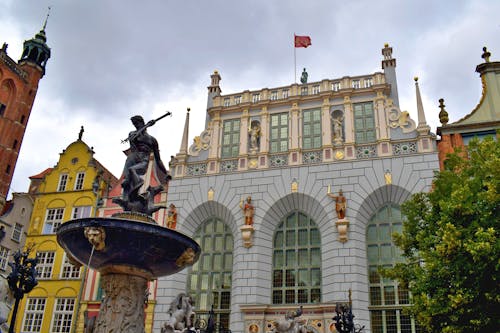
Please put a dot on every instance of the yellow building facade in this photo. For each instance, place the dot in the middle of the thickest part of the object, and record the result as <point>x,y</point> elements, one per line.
<point>69,190</point>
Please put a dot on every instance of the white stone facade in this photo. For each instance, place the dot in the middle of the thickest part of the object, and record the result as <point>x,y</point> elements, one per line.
<point>398,162</point>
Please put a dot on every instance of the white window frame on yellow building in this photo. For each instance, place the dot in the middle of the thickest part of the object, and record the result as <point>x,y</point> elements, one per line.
<point>46,260</point>
<point>63,182</point>
<point>69,271</point>
<point>35,308</point>
<point>53,219</point>
<point>80,177</point>
<point>81,212</point>
<point>63,314</point>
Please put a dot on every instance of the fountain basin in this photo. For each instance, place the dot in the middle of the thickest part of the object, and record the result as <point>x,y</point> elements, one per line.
<point>128,246</point>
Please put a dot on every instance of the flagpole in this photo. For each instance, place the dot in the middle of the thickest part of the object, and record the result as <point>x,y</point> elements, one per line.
<point>295,58</point>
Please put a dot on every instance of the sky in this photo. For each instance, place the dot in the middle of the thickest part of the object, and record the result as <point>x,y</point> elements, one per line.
<point>114,59</point>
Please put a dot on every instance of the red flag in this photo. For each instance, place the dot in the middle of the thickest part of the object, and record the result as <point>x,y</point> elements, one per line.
<point>302,41</point>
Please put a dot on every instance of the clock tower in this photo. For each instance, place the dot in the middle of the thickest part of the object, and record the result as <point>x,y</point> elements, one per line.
<point>18,88</point>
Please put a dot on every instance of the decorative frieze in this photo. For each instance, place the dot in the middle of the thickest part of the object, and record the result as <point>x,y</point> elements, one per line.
<point>312,157</point>
<point>278,160</point>
<point>404,148</point>
<point>228,166</point>
<point>366,151</point>
<point>197,169</point>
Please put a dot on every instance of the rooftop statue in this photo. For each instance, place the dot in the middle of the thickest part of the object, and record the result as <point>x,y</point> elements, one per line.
<point>303,78</point>
<point>141,146</point>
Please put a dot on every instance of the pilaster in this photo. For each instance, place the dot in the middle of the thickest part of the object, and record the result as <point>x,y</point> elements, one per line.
<point>294,127</point>
<point>213,151</point>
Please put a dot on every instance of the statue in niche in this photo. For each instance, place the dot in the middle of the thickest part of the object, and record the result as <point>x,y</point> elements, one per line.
<point>248,210</point>
<point>141,146</point>
<point>338,120</point>
<point>340,203</point>
<point>254,133</point>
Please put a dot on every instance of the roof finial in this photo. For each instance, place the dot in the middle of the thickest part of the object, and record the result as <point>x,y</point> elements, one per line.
<point>486,55</point>
<point>46,19</point>
<point>422,127</point>
<point>443,115</point>
<point>184,142</point>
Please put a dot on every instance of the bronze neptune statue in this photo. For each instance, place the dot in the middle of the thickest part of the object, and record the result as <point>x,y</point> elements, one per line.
<point>141,146</point>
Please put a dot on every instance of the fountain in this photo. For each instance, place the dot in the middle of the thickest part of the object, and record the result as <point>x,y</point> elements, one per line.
<point>129,248</point>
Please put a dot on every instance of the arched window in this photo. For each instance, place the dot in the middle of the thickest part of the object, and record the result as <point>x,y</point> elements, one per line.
<point>209,279</point>
<point>296,261</point>
<point>387,298</point>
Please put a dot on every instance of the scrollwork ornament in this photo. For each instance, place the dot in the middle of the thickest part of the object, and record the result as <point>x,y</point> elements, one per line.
<point>398,118</point>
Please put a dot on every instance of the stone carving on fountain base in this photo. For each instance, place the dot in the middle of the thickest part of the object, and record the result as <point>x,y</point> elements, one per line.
<point>181,315</point>
<point>122,309</point>
<point>291,324</point>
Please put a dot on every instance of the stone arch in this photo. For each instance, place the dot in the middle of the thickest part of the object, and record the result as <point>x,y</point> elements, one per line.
<point>279,209</point>
<point>208,209</point>
<point>379,198</point>
<point>263,237</point>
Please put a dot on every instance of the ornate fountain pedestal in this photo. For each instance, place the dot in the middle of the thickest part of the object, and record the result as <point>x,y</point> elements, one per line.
<point>128,250</point>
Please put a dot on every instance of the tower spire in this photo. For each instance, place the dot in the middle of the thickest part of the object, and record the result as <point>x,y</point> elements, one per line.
<point>422,123</point>
<point>184,143</point>
<point>46,18</point>
<point>389,67</point>
<point>35,50</point>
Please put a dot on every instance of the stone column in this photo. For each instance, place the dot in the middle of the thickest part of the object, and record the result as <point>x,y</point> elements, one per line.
<point>294,127</point>
<point>348,121</point>
<point>244,125</point>
<point>381,119</point>
<point>122,309</point>
<point>264,130</point>
<point>326,124</point>
<point>214,143</point>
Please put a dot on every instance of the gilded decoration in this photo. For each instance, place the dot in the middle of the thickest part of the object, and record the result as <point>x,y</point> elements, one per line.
<point>339,155</point>
<point>401,119</point>
<point>96,236</point>
<point>186,258</point>
<point>201,142</point>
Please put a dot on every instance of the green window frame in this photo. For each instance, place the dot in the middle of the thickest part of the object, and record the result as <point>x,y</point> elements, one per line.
<point>230,138</point>
<point>364,122</point>
<point>209,279</point>
<point>278,137</point>
<point>311,129</point>
<point>387,298</point>
<point>296,261</point>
